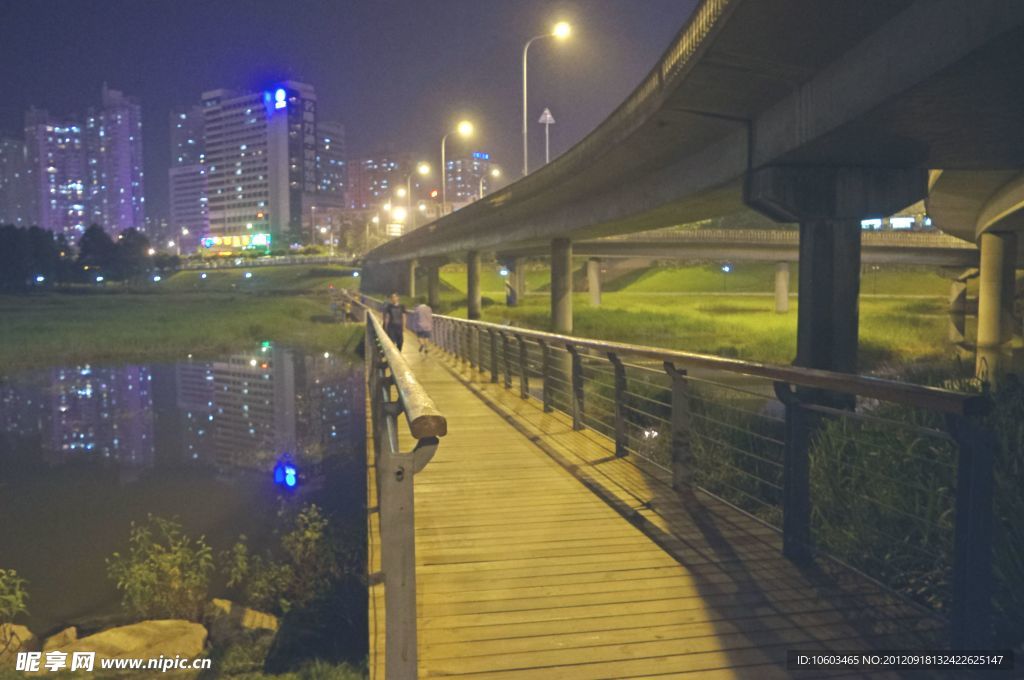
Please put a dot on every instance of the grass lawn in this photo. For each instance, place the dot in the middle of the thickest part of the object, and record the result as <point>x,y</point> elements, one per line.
<point>685,308</point>
<point>168,320</point>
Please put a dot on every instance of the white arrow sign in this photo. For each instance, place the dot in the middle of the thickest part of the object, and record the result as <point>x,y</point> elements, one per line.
<point>547,120</point>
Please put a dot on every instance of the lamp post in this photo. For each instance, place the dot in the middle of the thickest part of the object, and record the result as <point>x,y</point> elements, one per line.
<point>422,169</point>
<point>495,173</point>
<point>560,31</point>
<point>464,129</point>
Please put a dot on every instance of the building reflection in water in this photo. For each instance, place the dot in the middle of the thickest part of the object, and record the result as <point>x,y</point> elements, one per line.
<point>243,411</point>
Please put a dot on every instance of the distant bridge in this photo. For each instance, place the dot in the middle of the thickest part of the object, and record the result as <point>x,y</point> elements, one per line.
<point>768,245</point>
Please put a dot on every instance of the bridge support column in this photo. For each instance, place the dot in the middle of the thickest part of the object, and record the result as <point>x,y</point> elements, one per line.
<point>520,282</point>
<point>561,286</point>
<point>781,287</point>
<point>411,290</point>
<point>996,282</point>
<point>829,203</point>
<point>473,300</point>
<point>594,281</point>
<point>434,286</point>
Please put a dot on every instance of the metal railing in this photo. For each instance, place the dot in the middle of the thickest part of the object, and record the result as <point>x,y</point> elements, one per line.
<point>267,261</point>
<point>891,479</point>
<point>393,390</point>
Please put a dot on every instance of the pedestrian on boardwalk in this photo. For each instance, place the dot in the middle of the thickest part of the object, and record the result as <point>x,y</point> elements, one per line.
<point>394,320</point>
<point>422,320</point>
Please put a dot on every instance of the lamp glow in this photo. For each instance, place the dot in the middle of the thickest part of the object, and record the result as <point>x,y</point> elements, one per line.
<point>562,30</point>
<point>248,275</point>
<point>423,168</point>
<point>464,128</point>
<point>399,214</point>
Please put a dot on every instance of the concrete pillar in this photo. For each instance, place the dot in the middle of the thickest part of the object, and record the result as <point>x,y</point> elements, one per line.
<point>594,281</point>
<point>781,287</point>
<point>473,301</point>
<point>829,203</point>
<point>995,301</point>
<point>412,280</point>
<point>520,269</point>
<point>561,286</point>
<point>434,286</point>
<point>828,316</point>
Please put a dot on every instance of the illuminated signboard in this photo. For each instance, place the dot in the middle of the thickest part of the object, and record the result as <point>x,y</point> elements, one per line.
<point>245,241</point>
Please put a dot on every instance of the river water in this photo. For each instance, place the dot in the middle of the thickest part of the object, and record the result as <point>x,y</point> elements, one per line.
<point>87,450</point>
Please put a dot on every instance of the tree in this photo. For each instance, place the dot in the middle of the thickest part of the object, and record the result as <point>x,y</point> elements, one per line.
<point>131,258</point>
<point>96,249</point>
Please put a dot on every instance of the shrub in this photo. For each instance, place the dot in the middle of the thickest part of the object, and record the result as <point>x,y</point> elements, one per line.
<point>13,597</point>
<point>165,574</point>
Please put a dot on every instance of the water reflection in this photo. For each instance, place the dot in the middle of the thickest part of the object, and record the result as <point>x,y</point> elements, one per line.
<point>85,450</point>
<point>243,411</point>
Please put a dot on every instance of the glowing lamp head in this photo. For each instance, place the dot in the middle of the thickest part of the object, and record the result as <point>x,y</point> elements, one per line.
<point>503,272</point>
<point>561,30</point>
<point>40,278</point>
<point>170,244</point>
<point>151,251</point>
<point>495,172</point>
<point>423,168</point>
<point>203,276</point>
<point>248,275</point>
<point>355,275</point>
<point>726,268</point>
<point>464,128</point>
<point>400,192</point>
<point>399,214</point>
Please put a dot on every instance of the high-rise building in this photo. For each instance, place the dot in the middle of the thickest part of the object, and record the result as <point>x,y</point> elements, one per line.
<point>113,145</point>
<point>260,161</point>
<point>56,173</point>
<point>190,220</point>
<point>466,175</point>
<point>14,184</point>
<point>330,158</point>
<point>372,178</point>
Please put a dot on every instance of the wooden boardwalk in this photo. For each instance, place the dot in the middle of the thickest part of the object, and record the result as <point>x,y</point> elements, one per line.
<point>540,555</point>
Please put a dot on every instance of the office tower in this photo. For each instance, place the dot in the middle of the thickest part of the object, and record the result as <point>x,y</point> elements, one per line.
<point>114,177</point>
<point>190,220</point>
<point>260,161</point>
<point>466,175</point>
<point>14,184</point>
<point>56,173</point>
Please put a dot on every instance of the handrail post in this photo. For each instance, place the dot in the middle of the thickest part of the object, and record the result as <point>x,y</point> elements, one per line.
<point>620,404</point>
<point>682,450</point>
<point>480,349</point>
<point>545,370</point>
<point>796,481</point>
<point>469,346</point>
<point>971,625</point>
<point>577,387</point>
<point>524,369</point>
<point>494,355</point>
<point>506,362</point>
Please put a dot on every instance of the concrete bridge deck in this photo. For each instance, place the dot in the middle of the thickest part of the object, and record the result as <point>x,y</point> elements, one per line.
<point>541,555</point>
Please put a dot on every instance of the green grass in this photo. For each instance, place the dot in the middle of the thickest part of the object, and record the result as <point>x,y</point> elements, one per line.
<point>166,321</point>
<point>893,330</point>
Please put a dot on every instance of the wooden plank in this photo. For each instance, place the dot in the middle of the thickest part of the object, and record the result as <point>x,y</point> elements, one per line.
<point>524,572</point>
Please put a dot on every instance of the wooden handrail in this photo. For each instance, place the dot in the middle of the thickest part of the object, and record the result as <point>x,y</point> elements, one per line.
<point>424,419</point>
<point>942,400</point>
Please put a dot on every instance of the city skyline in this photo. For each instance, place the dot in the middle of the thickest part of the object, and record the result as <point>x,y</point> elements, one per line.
<point>349,52</point>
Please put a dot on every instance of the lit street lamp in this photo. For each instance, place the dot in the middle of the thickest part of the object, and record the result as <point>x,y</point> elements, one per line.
<point>495,173</point>
<point>464,129</point>
<point>422,169</point>
<point>560,31</point>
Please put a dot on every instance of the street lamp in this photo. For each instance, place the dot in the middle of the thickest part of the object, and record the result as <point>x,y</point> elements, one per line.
<point>422,169</point>
<point>495,173</point>
<point>559,31</point>
<point>464,129</point>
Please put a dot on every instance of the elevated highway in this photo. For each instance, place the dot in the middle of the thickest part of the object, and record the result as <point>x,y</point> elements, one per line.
<point>817,112</point>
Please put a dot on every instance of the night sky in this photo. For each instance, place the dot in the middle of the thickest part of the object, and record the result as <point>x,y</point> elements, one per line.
<point>396,72</point>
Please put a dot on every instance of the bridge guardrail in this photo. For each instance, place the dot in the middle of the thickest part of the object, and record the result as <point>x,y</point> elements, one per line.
<point>891,479</point>
<point>395,470</point>
<point>269,261</point>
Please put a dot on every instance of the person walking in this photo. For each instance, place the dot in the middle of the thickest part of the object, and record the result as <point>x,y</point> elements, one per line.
<point>393,321</point>
<point>422,318</point>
